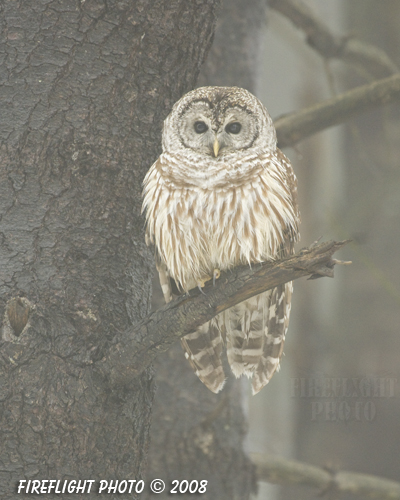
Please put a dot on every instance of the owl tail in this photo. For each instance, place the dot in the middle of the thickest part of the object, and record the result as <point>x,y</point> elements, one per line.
<point>245,326</point>
<point>276,326</point>
<point>203,349</point>
<point>256,330</point>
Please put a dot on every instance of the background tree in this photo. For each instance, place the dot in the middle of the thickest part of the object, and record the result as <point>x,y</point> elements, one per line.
<point>346,328</point>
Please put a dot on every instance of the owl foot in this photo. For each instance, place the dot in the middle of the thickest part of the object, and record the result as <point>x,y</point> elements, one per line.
<point>200,285</point>
<point>216,275</point>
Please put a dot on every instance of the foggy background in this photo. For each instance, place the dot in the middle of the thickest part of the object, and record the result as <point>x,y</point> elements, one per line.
<point>344,333</point>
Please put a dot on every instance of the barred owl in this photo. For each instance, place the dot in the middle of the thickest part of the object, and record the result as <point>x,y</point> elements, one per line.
<point>222,194</point>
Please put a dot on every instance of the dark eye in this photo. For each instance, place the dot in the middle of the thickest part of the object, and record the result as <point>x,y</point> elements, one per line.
<point>200,127</point>
<point>233,128</point>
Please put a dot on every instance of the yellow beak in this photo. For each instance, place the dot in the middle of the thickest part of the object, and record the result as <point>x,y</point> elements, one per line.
<point>216,147</point>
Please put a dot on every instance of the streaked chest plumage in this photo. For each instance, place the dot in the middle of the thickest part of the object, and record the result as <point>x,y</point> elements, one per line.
<point>201,217</point>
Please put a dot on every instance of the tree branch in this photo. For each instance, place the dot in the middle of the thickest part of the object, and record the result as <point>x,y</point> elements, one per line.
<point>136,348</point>
<point>375,62</point>
<point>281,471</point>
<point>294,127</point>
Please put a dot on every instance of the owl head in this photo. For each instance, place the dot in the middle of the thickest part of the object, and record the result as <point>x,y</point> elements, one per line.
<point>218,121</point>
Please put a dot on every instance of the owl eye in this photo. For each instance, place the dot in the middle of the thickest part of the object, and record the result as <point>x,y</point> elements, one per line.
<point>200,127</point>
<point>233,128</point>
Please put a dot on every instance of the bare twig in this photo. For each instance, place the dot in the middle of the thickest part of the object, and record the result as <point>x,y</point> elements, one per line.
<point>137,348</point>
<point>294,127</point>
<point>281,471</point>
<point>371,60</point>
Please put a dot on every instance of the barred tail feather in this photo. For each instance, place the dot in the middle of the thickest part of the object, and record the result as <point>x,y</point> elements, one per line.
<point>203,349</point>
<point>275,330</point>
<point>255,337</point>
<point>245,331</point>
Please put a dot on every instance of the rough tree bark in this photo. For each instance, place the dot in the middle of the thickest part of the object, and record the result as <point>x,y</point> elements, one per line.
<point>85,86</point>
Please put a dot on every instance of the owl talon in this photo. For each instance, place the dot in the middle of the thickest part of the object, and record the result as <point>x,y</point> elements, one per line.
<point>200,285</point>
<point>216,275</point>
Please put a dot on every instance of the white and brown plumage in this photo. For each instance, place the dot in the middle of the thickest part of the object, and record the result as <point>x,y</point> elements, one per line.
<point>222,194</point>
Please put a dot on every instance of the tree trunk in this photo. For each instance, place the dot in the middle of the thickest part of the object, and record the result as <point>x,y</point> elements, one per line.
<point>85,86</point>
